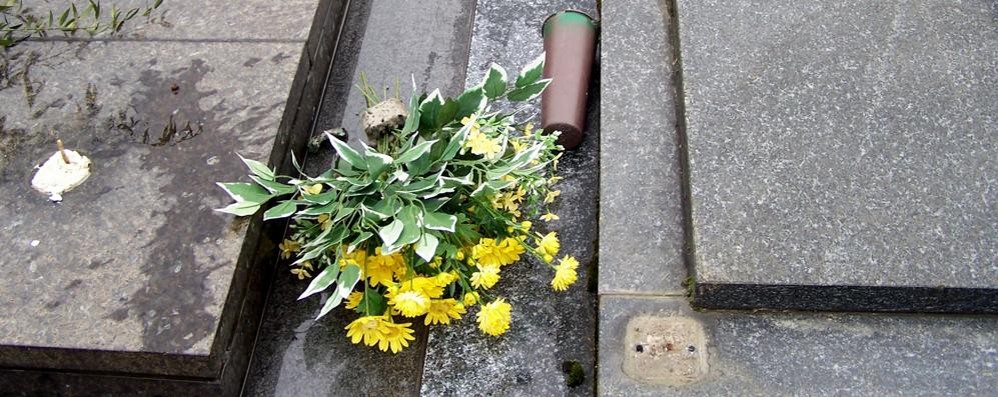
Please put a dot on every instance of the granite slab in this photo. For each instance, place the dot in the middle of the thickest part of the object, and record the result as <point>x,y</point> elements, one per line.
<point>841,153</point>
<point>550,346</point>
<point>641,207</point>
<point>799,354</point>
<point>133,275</point>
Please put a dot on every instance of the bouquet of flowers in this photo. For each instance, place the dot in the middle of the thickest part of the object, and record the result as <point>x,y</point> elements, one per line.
<point>421,222</point>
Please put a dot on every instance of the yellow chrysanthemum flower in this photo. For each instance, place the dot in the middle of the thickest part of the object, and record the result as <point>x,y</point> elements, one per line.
<point>494,318</point>
<point>482,252</point>
<point>528,129</point>
<point>314,189</point>
<point>324,221</point>
<point>379,269</point>
<point>525,226</point>
<point>444,279</point>
<point>506,202</point>
<point>442,311</point>
<point>517,145</point>
<point>548,217</point>
<point>372,329</point>
<point>410,303</point>
<point>509,251</point>
<point>519,194</point>
<point>379,275</point>
<point>289,248</point>
<point>551,196</point>
<point>482,145</point>
<point>485,277</point>
<point>301,273</point>
<point>356,258</point>
<point>302,270</point>
<point>429,286</point>
<point>490,253</point>
<point>565,274</point>
<point>554,179</point>
<point>466,120</point>
<point>570,262</point>
<point>353,300</point>
<point>549,245</point>
<point>470,298</point>
<point>397,337</point>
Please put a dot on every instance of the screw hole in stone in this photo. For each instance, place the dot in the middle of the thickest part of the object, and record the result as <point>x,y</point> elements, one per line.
<point>639,348</point>
<point>691,349</point>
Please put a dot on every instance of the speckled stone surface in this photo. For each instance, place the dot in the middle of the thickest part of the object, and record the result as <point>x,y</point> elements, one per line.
<point>843,144</point>
<point>133,273</point>
<point>641,214</point>
<point>296,355</point>
<point>548,328</point>
<point>782,354</point>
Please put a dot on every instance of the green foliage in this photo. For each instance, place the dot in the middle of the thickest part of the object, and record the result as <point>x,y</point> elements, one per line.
<point>422,191</point>
<point>18,23</point>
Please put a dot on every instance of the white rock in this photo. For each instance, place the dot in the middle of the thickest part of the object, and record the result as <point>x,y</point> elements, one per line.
<point>55,176</point>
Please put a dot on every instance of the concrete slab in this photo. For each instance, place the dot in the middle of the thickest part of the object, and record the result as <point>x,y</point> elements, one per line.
<point>133,274</point>
<point>840,154</point>
<point>551,332</point>
<point>641,213</point>
<point>294,354</point>
<point>782,354</point>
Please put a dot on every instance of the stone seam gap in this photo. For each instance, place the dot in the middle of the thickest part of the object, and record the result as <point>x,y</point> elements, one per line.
<point>471,31</point>
<point>689,249</point>
<point>273,270</point>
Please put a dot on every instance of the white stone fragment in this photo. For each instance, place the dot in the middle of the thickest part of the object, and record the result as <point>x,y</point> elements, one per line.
<point>55,176</point>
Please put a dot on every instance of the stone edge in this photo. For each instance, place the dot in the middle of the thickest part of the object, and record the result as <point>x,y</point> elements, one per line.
<point>846,298</point>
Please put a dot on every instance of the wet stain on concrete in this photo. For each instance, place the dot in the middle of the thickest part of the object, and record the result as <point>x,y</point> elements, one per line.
<point>10,139</point>
<point>96,264</point>
<point>172,304</point>
<point>169,112</point>
<point>280,57</point>
<point>251,62</point>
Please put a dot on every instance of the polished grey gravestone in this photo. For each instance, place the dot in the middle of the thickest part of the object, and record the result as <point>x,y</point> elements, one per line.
<point>841,154</point>
<point>133,283</point>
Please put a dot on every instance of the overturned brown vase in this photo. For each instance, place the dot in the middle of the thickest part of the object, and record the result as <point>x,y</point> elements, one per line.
<point>569,43</point>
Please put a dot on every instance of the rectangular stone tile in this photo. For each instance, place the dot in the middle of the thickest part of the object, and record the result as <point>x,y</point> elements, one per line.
<point>789,354</point>
<point>641,213</point>
<point>841,154</point>
<point>550,330</point>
